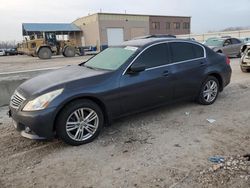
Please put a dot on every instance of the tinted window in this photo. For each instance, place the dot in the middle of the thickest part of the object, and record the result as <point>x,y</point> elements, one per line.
<point>235,41</point>
<point>154,56</point>
<point>182,51</point>
<point>199,51</point>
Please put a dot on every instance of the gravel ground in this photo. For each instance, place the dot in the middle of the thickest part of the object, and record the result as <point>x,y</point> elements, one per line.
<point>165,147</point>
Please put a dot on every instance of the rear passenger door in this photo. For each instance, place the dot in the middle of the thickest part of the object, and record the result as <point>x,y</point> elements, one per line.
<point>236,46</point>
<point>188,66</point>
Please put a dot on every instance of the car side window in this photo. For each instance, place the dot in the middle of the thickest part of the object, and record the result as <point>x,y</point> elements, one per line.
<point>198,50</point>
<point>227,42</point>
<point>235,41</point>
<point>154,56</point>
<point>183,51</point>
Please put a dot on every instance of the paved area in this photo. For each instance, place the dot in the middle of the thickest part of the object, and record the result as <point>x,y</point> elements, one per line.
<point>21,63</point>
<point>166,147</point>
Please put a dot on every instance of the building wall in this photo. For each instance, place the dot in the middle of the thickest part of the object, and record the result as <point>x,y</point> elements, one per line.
<point>90,27</point>
<point>163,20</point>
<point>95,26</point>
<point>133,25</point>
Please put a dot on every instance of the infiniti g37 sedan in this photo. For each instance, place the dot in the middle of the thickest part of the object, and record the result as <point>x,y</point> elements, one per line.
<point>75,102</point>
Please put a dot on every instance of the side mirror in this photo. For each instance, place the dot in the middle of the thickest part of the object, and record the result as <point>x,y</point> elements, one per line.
<point>136,68</point>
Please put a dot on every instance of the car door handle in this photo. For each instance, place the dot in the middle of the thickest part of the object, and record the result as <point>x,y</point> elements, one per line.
<point>202,63</point>
<point>165,73</point>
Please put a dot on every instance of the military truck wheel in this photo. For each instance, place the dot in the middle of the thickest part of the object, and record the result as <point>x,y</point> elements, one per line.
<point>69,51</point>
<point>44,53</point>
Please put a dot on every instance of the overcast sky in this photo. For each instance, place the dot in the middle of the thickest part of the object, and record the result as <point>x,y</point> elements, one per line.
<point>206,15</point>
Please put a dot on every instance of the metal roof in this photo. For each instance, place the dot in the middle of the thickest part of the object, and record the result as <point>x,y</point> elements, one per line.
<point>31,28</point>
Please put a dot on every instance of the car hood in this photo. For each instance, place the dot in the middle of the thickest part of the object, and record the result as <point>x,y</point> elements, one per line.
<point>57,79</point>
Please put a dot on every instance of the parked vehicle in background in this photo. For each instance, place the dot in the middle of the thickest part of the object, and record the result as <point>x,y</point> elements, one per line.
<point>11,51</point>
<point>228,46</point>
<point>245,40</point>
<point>76,101</point>
<point>2,52</point>
<point>154,36</point>
<point>245,59</point>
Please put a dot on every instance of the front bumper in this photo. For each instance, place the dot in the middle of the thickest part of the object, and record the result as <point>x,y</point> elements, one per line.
<point>40,122</point>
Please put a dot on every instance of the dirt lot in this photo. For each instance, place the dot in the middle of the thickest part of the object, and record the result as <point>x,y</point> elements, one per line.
<point>166,147</point>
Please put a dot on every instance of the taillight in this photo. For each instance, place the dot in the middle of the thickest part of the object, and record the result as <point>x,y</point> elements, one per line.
<point>228,61</point>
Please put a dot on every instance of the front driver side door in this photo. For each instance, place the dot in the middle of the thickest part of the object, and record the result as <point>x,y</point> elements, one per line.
<point>151,87</point>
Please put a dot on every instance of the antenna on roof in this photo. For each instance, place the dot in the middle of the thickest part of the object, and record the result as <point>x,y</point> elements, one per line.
<point>100,10</point>
<point>125,11</point>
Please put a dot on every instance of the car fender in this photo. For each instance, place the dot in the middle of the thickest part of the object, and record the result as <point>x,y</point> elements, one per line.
<point>90,96</point>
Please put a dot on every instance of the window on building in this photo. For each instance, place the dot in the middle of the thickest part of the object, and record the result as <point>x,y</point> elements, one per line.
<point>177,25</point>
<point>168,25</point>
<point>155,25</point>
<point>186,25</point>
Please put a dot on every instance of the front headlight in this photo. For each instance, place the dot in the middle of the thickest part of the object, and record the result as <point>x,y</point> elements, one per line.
<point>42,101</point>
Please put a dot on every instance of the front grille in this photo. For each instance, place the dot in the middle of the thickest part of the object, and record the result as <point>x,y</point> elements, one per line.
<point>16,100</point>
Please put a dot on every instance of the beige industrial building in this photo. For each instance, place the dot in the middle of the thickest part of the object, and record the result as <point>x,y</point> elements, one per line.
<point>107,29</point>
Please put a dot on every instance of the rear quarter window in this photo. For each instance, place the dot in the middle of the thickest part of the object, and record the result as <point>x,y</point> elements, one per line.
<point>183,51</point>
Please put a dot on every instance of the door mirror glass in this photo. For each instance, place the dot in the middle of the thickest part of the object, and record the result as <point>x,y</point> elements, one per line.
<point>137,67</point>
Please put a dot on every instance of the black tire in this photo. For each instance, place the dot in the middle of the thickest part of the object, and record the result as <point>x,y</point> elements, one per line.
<point>44,53</point>
<point>68,112</point>
<point>201,98</point>
<point>69,51</point>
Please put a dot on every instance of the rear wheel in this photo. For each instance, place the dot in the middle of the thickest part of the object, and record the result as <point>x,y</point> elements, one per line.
<point>44,53</point>
<point>69,51</point>
<point>209,91</point>
<point>80,122</point>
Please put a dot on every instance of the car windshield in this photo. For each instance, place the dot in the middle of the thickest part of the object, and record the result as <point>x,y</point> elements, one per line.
<point>111,58</point>
<point>214,42</point>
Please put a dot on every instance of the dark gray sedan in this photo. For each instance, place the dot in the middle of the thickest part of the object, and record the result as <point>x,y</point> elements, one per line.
<point>75,102</point>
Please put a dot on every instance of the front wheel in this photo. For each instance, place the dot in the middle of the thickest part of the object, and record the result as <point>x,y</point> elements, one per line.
<point>80,122</point>
<point>209,91</point>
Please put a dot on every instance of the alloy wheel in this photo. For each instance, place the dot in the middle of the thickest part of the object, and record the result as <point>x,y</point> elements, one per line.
<point>210,91</point>
<point>82,124</point>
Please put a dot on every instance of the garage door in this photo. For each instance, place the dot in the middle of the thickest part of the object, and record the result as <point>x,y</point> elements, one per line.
<point>137,32</point>
<point>115,36</point>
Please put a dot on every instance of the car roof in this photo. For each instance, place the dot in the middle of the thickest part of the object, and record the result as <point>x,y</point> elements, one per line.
<point>149,41</point>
